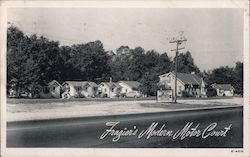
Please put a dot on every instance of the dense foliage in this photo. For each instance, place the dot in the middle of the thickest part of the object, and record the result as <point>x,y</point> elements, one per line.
<point>227,75</point>
<point>32,62</point>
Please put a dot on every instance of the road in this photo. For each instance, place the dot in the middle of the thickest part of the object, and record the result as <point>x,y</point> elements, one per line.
<point>86,132</point>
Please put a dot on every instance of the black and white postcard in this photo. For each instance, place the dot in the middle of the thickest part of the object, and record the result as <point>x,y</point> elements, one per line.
<point>125,78</point>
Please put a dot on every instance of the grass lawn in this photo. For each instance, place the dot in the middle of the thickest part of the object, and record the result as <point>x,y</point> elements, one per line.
<point>34,101</point>
<point>31,109</point>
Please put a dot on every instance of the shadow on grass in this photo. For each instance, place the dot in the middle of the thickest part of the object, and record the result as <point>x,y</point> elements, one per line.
<point>179,105</point>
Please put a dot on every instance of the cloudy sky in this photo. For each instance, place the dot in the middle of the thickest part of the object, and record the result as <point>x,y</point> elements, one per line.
<point>214,36</point>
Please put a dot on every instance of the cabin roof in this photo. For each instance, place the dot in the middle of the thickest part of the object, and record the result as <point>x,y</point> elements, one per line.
<point>222,86</point>
<point>132,84</point>
<point>81,83</point>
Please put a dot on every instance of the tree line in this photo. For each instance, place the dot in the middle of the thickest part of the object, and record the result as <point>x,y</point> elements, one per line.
<point>33,61</point>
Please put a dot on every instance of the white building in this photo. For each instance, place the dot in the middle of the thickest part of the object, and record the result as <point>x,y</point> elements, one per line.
<point>190,84</point>
<point>109,89</point>
<point>130,88</point>
<point>53,90</point>
<point>223,89</point>
<point>85,89</point>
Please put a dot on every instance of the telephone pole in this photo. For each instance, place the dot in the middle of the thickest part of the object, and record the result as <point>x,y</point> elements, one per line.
<point>178,42</point>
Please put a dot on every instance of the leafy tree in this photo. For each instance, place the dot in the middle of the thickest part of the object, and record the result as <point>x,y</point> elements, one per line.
<point>16,42</point>
<point>154,65</point>
<point>134,63</point>
<point>186,63</point>
<point>90,61</point>
<point>138,65</point>
<point>128,66</point>
<point>238,83</point>
<point>164,64</point>
<point>122,50</point>
<point>222,75</point>
<point>67,71</point>
<point>32,61</point>
<point>227,75</point>
<point>149,83</point>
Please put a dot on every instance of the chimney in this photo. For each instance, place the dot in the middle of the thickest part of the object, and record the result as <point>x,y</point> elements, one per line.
<point>110,79</point>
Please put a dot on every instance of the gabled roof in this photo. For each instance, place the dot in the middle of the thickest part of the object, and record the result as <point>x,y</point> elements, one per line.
<point>111,84</point>
<point>186,78</point>
<point>189,78</point>
<point>54,81</point>
<point>81,83</point>
<point>93,84</point>
<point>132,84</point>
<point>222,86</point>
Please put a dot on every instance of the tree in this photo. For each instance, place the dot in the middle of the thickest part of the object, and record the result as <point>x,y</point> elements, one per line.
<point>122,50</point>
<point>67,68</point>
<point>164,64</point>
<point>128,66</point>
<point>227,75</point>
<point>238,83</point>
<point>222,75</point>
<point>138,65</point>
<point>186,63</point>
<point>149,83</point>
<point>90,61</point>
<point>135,67</point>
<point>154,65</point>
<point>32,61</point>
<point>16,42</point>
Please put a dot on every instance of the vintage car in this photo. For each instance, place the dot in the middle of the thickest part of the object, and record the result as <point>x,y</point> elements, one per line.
<point>133,94</point>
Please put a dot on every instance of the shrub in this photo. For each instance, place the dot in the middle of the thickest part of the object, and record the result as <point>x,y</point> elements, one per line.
<point>186,94</point>
<point>211,92</point>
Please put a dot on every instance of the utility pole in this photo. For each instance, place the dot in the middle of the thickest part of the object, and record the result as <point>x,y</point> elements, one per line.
<point>178,42</point>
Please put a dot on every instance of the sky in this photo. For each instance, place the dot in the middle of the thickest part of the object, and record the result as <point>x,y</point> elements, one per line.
<point>214,36</point>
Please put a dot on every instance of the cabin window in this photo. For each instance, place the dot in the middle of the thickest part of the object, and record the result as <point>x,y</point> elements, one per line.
<point>179,89</point>
<point>54,89</point>
<point>126,90</point>
<point>169,79</point>
<point>105,90</point>
<point>78,89</point>
<point>112,89</point>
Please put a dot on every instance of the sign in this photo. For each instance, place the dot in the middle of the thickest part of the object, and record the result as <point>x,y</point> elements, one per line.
<point>165,95</point>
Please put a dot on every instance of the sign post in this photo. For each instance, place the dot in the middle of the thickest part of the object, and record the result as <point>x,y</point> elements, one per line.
<point>165,95</point>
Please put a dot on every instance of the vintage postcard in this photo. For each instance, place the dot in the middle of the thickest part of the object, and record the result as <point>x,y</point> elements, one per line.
<point>124,78</point>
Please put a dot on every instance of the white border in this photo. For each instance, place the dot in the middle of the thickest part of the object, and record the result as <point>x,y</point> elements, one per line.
<point>12,152</point>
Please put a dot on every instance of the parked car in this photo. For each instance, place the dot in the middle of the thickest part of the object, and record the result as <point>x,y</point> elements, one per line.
<point>134,94</point>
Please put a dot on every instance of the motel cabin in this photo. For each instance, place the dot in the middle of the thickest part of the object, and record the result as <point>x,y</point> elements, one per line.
<point>187,84</point>
<point>223,89</point>
<point>79,89</point>
<point>109,89</point>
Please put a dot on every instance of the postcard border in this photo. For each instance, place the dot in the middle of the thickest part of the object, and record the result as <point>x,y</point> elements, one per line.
<point>116,151</point>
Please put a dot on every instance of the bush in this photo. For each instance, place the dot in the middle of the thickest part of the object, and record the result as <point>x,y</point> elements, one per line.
<point>186,94</point>
<point>211,92</point>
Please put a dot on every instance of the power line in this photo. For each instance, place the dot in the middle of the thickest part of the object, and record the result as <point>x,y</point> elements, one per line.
<point>178,42</point>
